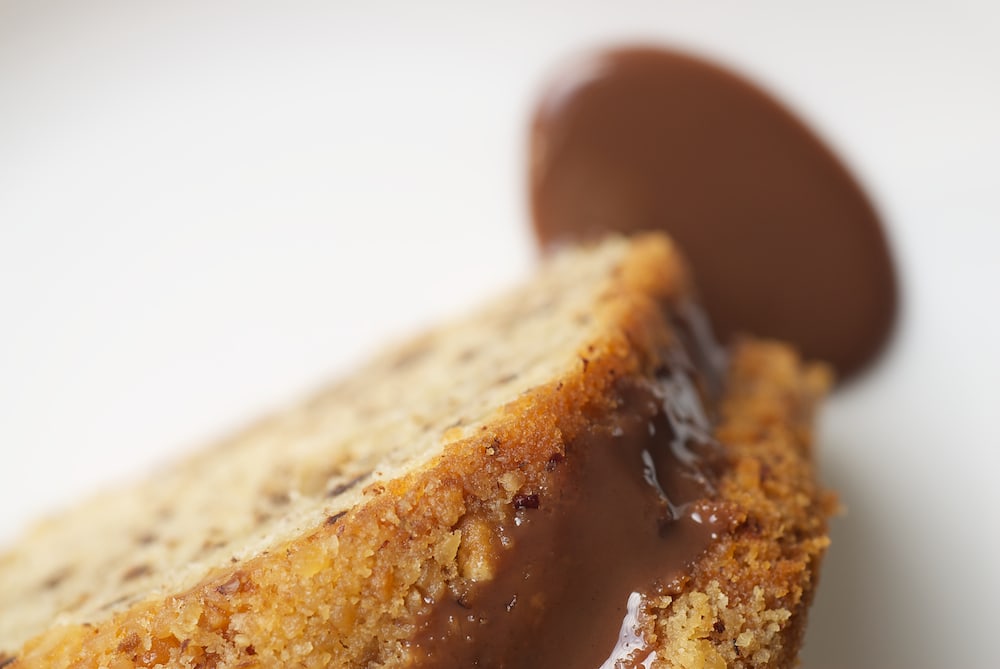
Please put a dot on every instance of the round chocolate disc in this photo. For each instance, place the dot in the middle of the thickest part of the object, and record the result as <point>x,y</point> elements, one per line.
<point>782,240</point>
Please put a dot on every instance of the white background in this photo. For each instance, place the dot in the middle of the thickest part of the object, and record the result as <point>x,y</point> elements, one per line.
<point>207,209</point>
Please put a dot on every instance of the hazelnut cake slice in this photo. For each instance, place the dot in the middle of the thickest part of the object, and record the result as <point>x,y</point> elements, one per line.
<point>574,476</point>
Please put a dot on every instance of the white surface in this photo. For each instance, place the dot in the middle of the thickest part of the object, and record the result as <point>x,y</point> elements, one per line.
<point>204,211</point>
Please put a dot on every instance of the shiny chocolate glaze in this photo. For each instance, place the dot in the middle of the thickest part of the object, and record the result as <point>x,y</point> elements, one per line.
<point>626,512</point>
<point>782,240</point>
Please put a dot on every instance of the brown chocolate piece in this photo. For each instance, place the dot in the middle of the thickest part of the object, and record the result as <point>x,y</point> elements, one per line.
<point>625,515</point>
<point>782,240</point>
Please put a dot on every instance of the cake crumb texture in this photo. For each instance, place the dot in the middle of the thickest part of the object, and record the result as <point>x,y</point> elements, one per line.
<point>323,535</point>
<point>749,595</point>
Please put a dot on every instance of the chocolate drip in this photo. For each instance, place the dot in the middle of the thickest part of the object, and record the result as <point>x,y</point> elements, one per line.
<point>626,513</point>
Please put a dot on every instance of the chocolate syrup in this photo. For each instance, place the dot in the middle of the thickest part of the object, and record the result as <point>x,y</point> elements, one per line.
<point>626,513</point>
<point>782,240</point>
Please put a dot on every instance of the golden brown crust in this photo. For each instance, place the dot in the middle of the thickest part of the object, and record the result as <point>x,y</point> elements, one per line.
<point>347,591</point>
<point>750,594</point>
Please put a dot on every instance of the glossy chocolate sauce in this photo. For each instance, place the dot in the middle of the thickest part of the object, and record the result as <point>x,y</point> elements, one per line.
<point>782,240</point>
<point>627,511</point>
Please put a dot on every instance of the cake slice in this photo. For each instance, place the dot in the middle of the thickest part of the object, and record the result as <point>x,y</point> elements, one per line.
<point>575,476</point>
